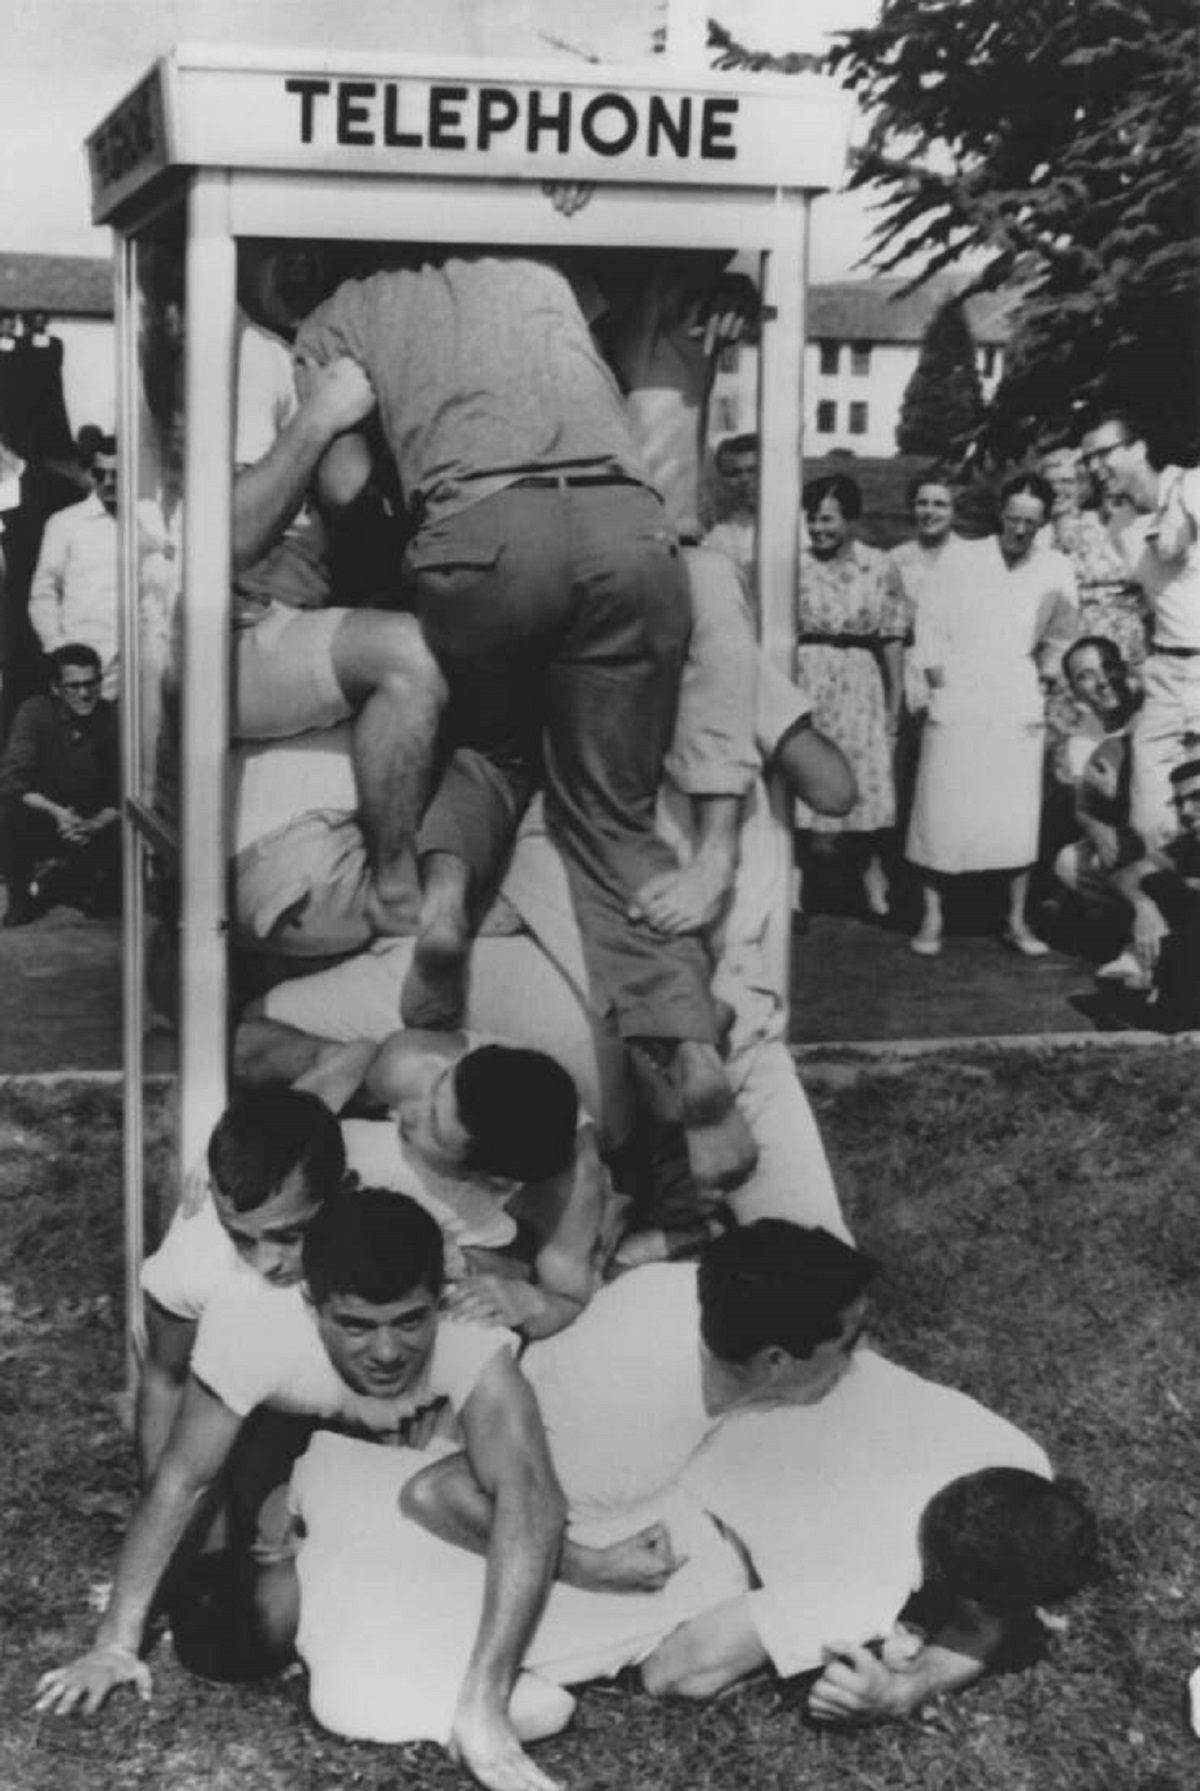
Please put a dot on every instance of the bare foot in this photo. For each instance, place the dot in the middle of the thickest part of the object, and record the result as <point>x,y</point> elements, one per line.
<point>394,909</point>
<point>721,1151</point>
<point>672,1243</point>
<point>687,900</point>
<point>434,995</point>
<point>684,1082</point>
<point>338,1072</point>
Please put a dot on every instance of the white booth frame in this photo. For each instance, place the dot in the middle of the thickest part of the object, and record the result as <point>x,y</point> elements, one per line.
<point>224,204</point>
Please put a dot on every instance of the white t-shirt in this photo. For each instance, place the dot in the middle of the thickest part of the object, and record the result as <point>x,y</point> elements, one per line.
<point>622,1397</point>
<point>827,1498</point>
<point>389,1613</point>
<point>259,1345</point>
<point>197,1257</point>
<point>1163,550</point>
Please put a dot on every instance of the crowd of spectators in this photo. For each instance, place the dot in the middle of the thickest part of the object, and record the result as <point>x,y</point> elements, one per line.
<point>1017,706</point>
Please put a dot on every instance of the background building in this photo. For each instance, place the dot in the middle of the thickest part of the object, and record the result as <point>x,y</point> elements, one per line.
<point>864,340</point>
<point>76,294</point>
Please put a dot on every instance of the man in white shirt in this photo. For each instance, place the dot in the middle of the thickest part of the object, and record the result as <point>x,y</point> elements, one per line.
<point>363,1349</point>
<point>1162,546</point>
<point>736,462</point>
<point>73,595</point>
<point>849,1509</point>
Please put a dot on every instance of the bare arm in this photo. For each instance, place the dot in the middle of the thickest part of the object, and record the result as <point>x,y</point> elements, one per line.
<point>446,1499</point>
<point>169,1341</point>
<point>567,1214</point>
<point>858,1687</point>
<point>1149,925</point>
<point>198,1449</point>
<point>506,1447</point>
<point>267,495</point>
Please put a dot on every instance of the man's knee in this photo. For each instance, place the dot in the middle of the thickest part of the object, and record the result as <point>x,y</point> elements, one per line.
<point>378,650</point>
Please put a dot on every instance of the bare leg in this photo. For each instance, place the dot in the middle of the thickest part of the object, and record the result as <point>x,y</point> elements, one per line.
<point>876,889</point>
<point>1018,932</point>
<point>388,673</point>
<point>927,940</point>
<point>435,993</point>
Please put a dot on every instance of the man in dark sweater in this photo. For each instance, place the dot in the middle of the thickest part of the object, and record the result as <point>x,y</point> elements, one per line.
<point>59,795</point>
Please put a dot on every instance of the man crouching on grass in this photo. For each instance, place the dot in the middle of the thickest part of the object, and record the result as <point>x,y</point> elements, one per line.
<point>360,1347</point>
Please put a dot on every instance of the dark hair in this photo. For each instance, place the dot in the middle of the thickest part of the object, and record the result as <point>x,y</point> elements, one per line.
<point>1132,428</point>
<point>74,653</point>
<point>776,1283</point>
<point>374,1243</point>
<point>1010,1539</point>
<point>1183,774</point>
<point>268,1134</point>
<point>100,444</point>
<point>1031,484</point>
<point>841,488</point>
<point>933,475</point>
<point>520,1110</point>
<point>1109,652</point>
<point>734,444</point>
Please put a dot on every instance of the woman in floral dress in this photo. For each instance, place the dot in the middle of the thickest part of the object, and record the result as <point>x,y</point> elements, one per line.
<point>852,621</point>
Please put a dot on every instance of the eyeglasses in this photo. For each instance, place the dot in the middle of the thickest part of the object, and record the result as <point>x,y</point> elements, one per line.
<point>80,684</point>
<point>1091,455</point>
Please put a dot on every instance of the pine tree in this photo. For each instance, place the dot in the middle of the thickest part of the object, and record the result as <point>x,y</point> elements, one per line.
<point>943,401</point>
<point>1061,140</point>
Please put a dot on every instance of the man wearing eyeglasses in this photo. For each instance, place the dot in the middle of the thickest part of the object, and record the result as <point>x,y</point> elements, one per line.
<point>59,791</point>
<point>1162,546</point>
<point>73,596</point>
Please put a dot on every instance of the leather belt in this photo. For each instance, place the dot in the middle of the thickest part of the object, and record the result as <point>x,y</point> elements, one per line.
<point>1176,652</point>
<point>556,481</point>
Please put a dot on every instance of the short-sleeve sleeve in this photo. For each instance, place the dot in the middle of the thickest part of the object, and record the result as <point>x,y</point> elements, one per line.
<point>196,1257</point>
<point>237,1350</point>
<point>461,1352</point>
<point>266,394</point>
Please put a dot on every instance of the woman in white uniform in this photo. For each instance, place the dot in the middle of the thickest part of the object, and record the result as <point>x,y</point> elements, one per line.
<point>990,637</point>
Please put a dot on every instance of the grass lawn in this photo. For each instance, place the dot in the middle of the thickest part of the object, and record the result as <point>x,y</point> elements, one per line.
<point>1038,1219</point>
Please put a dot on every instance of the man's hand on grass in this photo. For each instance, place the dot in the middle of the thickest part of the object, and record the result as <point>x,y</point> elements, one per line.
<point>856,1687</point>
<point>86,1683</point>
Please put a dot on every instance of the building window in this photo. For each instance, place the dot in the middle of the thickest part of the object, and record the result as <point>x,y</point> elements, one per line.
<point>826,416</point>
<point>830,356</point>
<point>988,358</point>
<point>860,359</point>
<point>858,419</point>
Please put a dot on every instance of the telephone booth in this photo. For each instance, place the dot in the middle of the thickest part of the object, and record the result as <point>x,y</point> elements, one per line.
<point>218,148</point>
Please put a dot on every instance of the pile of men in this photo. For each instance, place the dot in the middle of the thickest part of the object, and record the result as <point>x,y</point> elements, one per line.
<point>562,1358</point>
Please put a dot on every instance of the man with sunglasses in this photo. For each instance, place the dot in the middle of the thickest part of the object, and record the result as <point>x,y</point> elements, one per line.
<point>73,596</point>
<point>59,790</point>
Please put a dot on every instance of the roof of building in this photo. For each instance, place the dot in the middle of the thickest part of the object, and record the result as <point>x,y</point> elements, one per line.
<point>63,285</point>
<point>875,311</point>
<point>844,310</point>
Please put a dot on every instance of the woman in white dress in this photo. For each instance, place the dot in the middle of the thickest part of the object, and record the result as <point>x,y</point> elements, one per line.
<point>989,636</point>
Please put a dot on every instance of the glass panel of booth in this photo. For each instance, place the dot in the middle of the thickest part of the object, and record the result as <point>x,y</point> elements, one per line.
<point>152,425</point>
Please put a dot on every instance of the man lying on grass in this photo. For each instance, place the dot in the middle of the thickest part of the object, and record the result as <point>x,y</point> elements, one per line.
<point>885,1539</point>
<point>361,1347</point>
